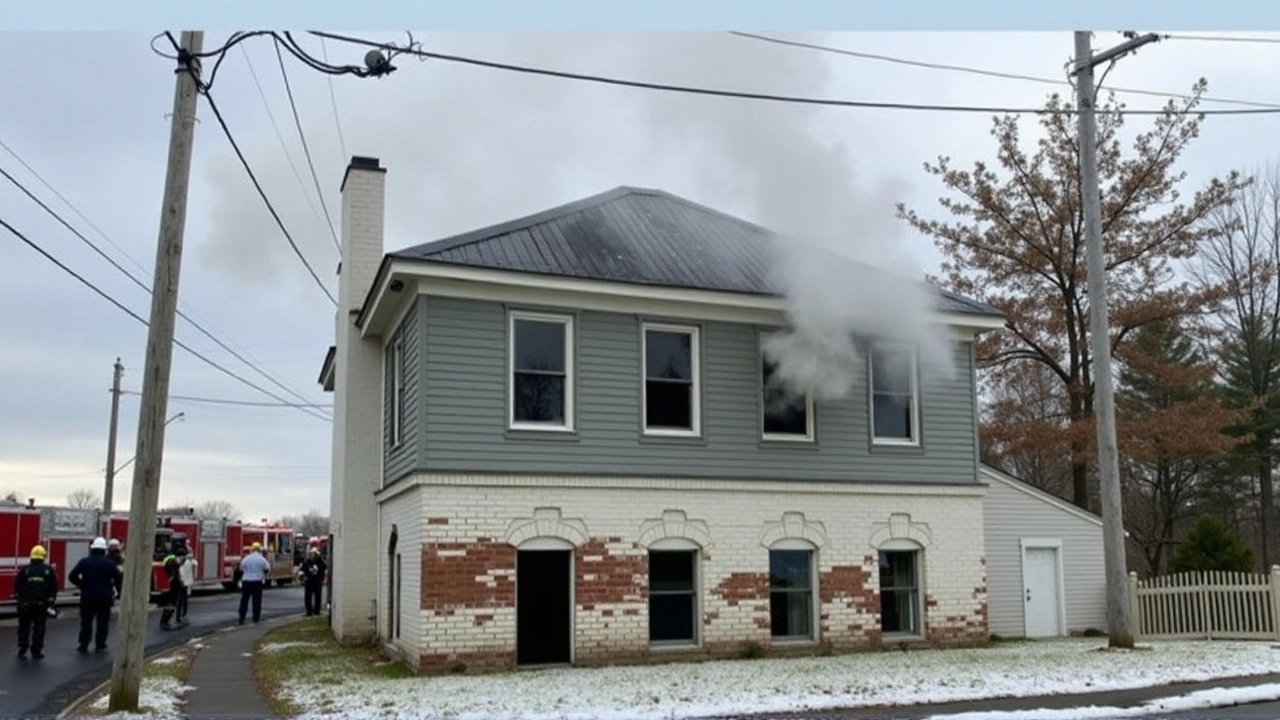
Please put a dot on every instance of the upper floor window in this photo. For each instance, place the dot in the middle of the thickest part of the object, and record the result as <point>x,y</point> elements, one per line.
<point>395,391</point>
<point>541,356</point>
<point>671,389</point>
<point>786,415</point>
<point>894,397</point>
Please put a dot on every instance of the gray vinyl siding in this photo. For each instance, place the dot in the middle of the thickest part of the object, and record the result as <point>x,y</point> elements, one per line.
<point>466,410</point>
<point>401,459</point>
<point>1010,514</point>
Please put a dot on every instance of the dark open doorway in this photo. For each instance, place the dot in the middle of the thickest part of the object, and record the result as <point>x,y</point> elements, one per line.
<point>544,607</point>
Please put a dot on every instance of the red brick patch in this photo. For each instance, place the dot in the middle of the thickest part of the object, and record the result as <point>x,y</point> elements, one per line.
<point>617,575</point>
<point>742,587</point>
<point>438,521</point>
<point>462,575</point>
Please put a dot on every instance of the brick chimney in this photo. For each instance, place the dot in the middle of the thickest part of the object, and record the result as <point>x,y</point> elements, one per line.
<point>357,409</point>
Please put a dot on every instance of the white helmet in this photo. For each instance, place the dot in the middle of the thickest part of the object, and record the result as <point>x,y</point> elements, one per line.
<point>113,544</point>
<point>99,543</point>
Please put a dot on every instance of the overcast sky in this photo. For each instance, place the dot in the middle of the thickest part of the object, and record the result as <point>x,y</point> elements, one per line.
<point>464,147</point>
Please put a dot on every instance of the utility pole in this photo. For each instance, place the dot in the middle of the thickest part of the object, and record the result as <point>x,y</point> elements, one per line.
<point>111,439</point>
<point>1120,628</point>
<point>126,670</point>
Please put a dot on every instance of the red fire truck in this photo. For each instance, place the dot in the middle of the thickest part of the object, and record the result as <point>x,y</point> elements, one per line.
<point>204,540</point>
<point>277,542</point>
<point>19,532</point>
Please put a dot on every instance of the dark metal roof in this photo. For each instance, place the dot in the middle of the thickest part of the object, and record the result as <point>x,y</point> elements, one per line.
<point>640,236</point>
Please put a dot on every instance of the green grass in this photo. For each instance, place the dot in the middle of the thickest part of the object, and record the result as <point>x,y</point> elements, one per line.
<point>322,660</point>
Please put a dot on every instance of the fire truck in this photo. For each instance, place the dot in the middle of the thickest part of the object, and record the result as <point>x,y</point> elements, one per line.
<point>203,538</point>
<point>19,532</point>
<point>278,543</point>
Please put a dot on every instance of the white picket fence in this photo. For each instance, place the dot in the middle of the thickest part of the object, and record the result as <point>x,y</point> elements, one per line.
<point>1207,605</point>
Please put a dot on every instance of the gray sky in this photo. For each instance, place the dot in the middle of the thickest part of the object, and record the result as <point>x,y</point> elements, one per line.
<point>464,147</point>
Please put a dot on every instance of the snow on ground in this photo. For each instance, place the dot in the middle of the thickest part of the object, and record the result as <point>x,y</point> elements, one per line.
<point>1199,700</point>
<point>167,660</point>
<point>727,688</point>
<point>278,646</point>
<point>160,698</point>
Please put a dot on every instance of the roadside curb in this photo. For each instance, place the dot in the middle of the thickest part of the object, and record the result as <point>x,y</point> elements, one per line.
<point>100,688</point>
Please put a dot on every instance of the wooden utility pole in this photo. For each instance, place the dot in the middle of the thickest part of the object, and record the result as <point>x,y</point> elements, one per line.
<point>109,488</point>
<point>1119,613</point>
<point>126,670</point>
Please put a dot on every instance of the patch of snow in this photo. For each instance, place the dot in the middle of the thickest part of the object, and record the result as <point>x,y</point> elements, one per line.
<point>278,646</point>
<point>737,687</point>
<point>162,698</point>
<point>168,660</point>
<point>1199,700</point>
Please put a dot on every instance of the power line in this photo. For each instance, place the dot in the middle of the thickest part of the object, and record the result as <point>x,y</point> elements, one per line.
<point>297,121</point>
<point>333,100</point>
<point>34,246</point>
<point>315,212</point>
<point>136,281</point>
<point>1222,38</point>
<point>984,72</point>
<point>228,401</point>
<point>262,193</point>
<point>767,97</point>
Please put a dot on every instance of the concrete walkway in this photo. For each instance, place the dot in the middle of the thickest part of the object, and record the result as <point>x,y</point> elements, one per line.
<point>222,675</point>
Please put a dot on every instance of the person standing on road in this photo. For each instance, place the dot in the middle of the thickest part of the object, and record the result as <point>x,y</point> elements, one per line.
<point>115,553</point>
<point>99,580</point>
<point>175,598</point>
<point>254,569</point>
<point>312,571</point>
<point>35,589</point>
<point>187,574</point>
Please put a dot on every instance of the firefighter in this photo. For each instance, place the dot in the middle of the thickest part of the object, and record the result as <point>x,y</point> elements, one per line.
<point>100,581</point>
<point>176,599</point>
<point>36,589</point>
<point>254,569</point>
<point>116,553</point>
<point>312,572</point>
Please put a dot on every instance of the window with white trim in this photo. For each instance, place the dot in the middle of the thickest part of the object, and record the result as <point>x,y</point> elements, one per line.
<point>671,401</point>
<point>895,401</point>
<point>791,589</point>
<point>785,415</point>
<point>541,367</point>
<point>900,607</point>
<point>396,391</point>
<point>673,593</point>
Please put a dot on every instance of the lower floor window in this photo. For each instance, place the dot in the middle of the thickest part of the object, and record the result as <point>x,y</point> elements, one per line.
<point>791,593</point>
<point>673,596</point>
<point>900,591</point>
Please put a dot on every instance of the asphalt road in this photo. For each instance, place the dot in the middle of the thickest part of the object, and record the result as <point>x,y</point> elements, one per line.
<point>45,687</point>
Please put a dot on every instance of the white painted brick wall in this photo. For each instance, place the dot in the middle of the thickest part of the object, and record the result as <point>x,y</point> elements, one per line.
<point>357,455</point>
<point>737,516</point>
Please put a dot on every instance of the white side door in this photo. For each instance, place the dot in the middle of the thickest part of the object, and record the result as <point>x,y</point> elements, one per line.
<point>1042,596</point>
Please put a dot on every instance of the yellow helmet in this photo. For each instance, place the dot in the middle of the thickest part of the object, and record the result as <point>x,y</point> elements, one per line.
<point>38,553</point>
<point>257,546</point>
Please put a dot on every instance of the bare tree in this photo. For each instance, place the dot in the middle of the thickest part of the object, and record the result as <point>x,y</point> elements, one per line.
<point>13,496</point>
<point>217,509</point>
<point>84,498</point>
<point>1242,256</point>
<point>312,523</point>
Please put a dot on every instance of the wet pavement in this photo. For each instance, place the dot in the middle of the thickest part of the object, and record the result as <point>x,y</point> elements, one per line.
<point>44,688</point>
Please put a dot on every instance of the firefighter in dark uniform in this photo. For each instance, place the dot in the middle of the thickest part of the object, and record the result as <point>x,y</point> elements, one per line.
<point>99,580</point>
<point>175,600</point>
<point>35,589</point>
<point>312,571</point>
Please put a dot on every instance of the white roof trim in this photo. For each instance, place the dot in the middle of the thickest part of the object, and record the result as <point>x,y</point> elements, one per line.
<point>427,272</point>
<point>1048,498</point>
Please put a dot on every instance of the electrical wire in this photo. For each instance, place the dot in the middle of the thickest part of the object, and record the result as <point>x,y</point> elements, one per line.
<point>136,281</point>
<point>393,50</point>
<point>228,401</point>
<point>297,121</point>
<point>120,306</point>
<point>984,72</point>
<point>262,193</point>
<point>297,174</point>
<point>333,101</point>
<point>1221,38</point>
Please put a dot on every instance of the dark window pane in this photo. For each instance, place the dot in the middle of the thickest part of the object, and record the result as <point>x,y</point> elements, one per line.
<point>899,592</point>
<point>671,617</point>
<point>789,569</point>
<point>668,405</point>
<point>784,412</point>
<point>891,371</point>
<point>893,416</point>
<point>789,613</point>
<point>668,355</point>
<point>539,345</point>
<point>671,570</point>
<point>538,398</point>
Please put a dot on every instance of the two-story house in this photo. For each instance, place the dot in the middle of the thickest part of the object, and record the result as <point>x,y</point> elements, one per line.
<point>554,443</point>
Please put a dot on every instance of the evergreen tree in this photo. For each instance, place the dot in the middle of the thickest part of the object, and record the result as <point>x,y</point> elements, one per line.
<point>1210,545</point>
